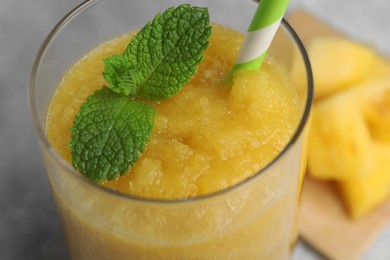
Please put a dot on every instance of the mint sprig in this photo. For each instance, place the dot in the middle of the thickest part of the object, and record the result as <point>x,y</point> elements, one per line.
<point>163,56</point>
<point>114,125</point>
<point>108,134</point>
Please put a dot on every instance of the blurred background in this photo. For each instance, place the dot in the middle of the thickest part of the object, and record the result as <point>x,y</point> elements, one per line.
<point>29,228</point>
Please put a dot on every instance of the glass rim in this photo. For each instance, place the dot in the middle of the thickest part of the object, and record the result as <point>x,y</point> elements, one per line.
<point>68,167</point>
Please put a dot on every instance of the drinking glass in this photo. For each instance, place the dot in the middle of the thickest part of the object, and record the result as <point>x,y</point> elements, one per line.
<point>252,220</point>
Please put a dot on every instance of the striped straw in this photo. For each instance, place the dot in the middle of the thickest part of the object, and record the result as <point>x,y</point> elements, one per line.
<point>260,33</point>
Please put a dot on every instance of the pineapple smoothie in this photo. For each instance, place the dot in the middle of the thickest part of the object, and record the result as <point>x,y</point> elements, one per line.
<point>193,166</point>
<point>176,201</point>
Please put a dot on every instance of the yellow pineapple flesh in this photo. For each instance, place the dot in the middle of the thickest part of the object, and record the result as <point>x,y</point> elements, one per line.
<point>363,194</point>
<point>338,63</point>
<point>339,141</point>
<point>349,140</point>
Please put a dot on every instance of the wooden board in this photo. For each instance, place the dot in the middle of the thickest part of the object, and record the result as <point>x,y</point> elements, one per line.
<point>323,222</point>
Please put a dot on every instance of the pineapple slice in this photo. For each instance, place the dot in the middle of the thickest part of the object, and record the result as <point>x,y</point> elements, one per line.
<point>338,63</point>
<point>344,127</point>
<point>339,140</point>
<point>362,194</point>
<point>349,139</point>
<point>349,142</point>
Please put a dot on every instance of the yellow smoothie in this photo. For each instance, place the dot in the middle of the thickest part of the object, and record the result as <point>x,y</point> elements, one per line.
<point>207,138</point>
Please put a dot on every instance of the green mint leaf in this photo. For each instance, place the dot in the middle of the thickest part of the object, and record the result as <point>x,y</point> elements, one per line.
<point>113,126</point>
<point>109,133</point>
<point>163,56</point>
<point>117,73</point>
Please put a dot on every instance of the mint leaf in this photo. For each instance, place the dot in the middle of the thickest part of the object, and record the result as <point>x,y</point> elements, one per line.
<point>109,133</point>
<point>163,56</point>
<point>114,125</point>
<point>117,73</point>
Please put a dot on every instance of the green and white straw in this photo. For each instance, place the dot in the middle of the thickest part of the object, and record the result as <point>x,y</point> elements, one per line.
<point>260,33</point>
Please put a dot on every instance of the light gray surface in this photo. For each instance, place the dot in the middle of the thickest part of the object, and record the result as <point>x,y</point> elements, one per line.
<point>29,228</point>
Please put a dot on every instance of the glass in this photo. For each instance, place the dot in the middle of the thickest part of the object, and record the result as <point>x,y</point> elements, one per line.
<point>252,220</point>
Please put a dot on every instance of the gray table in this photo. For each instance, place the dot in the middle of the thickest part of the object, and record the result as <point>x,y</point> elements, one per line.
<point>29,228</point>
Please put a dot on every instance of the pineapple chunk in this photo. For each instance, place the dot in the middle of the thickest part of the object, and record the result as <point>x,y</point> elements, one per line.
<point>344,127</point>
<point>349,139</point>
<point>339,140</point>
<point>338,63</point>
<point>349,142</point>
<point>362,194</point>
